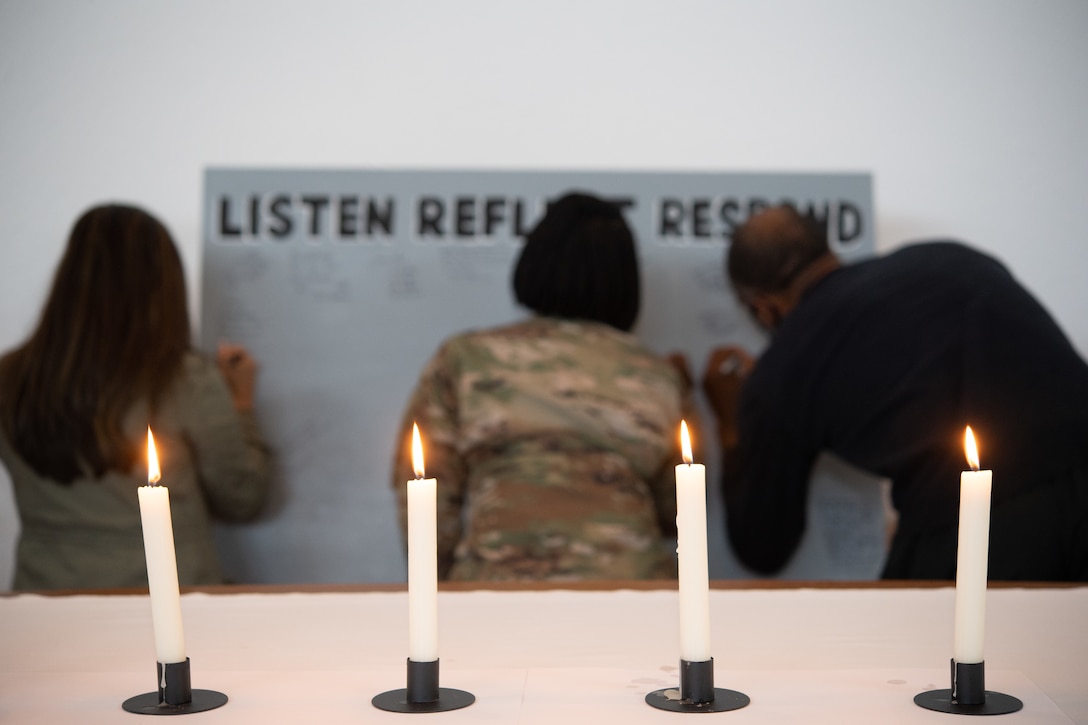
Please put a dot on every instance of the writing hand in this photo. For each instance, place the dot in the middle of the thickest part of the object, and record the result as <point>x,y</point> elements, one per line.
<point>239,370</point>
<point>680,362</point>
<point>723,379</point>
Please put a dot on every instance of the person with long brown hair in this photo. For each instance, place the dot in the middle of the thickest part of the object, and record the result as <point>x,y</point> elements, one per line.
<point>110,356</point>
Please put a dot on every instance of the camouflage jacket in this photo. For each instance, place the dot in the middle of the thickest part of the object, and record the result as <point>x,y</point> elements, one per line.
<point>553,444</point>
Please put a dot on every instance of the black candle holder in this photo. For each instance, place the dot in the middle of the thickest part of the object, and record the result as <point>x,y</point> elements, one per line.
<point>697,692</point>
<point>423,693</point>
<point>968,695</point>
<point>175,695</point>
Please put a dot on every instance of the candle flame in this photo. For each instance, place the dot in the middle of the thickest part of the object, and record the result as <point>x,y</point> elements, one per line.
<point>970,449</point>
<point>417,452</point>
<point>685,442</point>
<point>154,473</point>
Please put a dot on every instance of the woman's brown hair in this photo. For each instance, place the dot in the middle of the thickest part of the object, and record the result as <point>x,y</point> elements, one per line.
<point>114,330</point>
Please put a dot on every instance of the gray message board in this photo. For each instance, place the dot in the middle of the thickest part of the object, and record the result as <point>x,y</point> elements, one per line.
<point>342,283</point>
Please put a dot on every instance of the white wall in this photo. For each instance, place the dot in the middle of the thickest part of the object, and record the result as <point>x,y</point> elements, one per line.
<point>971,114</point>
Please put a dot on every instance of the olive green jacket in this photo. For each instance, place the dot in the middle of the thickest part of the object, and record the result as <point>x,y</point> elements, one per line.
<point>88,534</point>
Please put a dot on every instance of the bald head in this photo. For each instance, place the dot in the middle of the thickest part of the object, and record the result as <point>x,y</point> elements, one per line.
<point>773,248</point>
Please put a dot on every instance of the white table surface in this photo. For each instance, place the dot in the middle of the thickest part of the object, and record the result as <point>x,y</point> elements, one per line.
<point>805,655</point>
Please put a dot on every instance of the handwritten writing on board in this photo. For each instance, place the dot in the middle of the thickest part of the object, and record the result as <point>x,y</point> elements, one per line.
<point>342,283</point>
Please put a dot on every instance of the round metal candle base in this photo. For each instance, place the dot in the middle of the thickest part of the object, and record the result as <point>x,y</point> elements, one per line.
<point>697,692</point>
<point>996,703</point>
<point>423,693</point>
<point>448,699</point>
<point>149,703</point>
<point>968,694</point>
<point>175,695</point>
<point>724,701</point>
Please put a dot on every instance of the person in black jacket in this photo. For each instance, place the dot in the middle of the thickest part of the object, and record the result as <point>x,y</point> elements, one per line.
<point>884,363</point>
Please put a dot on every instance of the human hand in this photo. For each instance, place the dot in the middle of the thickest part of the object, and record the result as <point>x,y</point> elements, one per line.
<point>239,370</point>
<point>680,362</point>
<point>723,378</point>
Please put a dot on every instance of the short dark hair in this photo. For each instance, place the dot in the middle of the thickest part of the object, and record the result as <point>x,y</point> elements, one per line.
<point>579,262</point>
<point>773,247</point>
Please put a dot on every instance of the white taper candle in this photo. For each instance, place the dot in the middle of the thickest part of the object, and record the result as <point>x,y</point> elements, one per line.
<point>422,560</point>
<point>691,554</point>
<point>971,554</point>
<point>162,565</point>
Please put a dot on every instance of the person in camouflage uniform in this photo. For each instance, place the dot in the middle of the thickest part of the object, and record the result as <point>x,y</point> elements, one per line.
<point>553,439</point>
